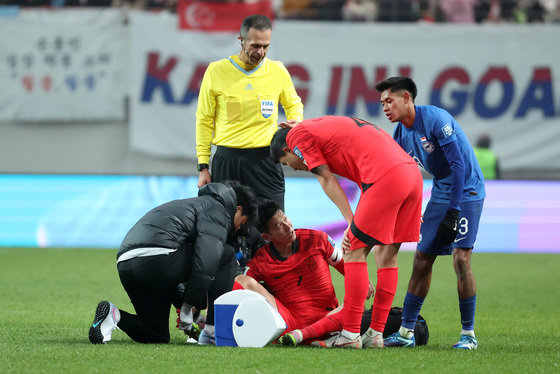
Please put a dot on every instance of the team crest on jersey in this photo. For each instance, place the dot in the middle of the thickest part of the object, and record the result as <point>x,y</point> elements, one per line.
<point>267,108</point>
<point>311,264</point>
<point>427,145</point>
<point>447,130</point>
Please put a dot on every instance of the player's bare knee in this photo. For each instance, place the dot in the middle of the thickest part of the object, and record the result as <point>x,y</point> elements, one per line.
<point>462,265</point>
<point>462,257</point>
<point>422,264</point>
<point>247,282</point>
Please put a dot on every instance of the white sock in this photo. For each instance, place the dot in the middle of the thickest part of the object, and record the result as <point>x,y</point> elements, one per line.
<point>406,333</point>
<point>209,329</point>
<point>349,335</point>
<point>371,332</point>
<point>298,335</point>
<point>469,332</point>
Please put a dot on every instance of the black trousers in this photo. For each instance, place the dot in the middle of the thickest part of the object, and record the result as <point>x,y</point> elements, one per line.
<point>151,284</point>
<point>252,167</point>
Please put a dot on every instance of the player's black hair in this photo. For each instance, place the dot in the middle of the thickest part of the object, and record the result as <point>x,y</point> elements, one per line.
<point>246,199</point>
<point>396,84</point>
<point>267,210</point>
<point>277,144</point>
<point>256,21</point>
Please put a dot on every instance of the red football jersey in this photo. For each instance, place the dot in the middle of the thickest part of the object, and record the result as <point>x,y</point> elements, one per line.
<point>302,282</point>
<point>352,148</point>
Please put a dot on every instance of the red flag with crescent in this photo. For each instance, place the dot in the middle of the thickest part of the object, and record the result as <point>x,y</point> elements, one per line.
<point>210,16</point>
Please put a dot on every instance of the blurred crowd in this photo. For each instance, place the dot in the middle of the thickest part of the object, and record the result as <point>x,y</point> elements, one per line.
<point>452,11</point>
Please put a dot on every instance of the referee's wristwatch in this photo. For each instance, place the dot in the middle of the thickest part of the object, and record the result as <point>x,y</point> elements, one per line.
<point>201,167</point>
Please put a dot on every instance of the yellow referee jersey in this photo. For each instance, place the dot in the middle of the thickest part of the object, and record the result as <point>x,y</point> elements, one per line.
<point>239,108</point>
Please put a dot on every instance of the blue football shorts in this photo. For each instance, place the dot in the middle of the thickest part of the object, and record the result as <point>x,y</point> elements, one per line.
<point>469,218</point>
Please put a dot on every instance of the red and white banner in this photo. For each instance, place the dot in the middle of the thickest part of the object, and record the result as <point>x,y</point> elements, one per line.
<point>502,80</point>
<point>210,16</point>
<point>63,65</point>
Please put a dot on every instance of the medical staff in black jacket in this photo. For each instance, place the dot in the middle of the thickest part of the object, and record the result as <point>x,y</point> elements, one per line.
<point>181,241</point>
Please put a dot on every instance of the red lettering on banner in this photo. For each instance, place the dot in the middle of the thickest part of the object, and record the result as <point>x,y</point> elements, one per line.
<point>359,86</point>
<point>27,82</point>
<point>300,75</point>
<point>209,16</point>
<point>161,73</point>
<point>542,74</point>
<point>453,73</point>
<point>538,95</point>
<point>496,73</point>
<point>194,84</point>
<point>334,89</point>
<point>46,82</point>
<point>405,71</point>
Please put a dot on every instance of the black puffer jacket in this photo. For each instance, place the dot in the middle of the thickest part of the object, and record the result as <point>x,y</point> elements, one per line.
<point>200,224</point>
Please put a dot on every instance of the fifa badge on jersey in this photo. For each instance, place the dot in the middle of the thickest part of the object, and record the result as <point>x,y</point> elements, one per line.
<point>267,108</point>
<point>447,130</point>
<point>426,145</point>
<point>298,153</point>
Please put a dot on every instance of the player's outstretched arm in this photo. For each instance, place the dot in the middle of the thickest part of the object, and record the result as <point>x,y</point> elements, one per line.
<point>332,188</point>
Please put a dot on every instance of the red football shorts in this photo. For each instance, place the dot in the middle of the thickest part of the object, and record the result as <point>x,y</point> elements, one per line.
<point>389,211</point>
<point>291,322</point>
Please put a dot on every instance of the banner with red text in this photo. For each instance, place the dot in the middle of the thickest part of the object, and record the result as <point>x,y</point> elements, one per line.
<point>63,65</point>
<point>498,79</point>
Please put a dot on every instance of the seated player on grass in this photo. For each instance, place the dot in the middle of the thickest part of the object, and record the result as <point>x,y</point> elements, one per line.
<point>294,268</point>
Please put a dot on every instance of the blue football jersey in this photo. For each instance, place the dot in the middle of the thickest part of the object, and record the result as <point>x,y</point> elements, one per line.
<point>433,128</point>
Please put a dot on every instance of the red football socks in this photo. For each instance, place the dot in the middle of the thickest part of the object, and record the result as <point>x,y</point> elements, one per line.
<point>356,285</point>
<point>387,279</point>
<point>323,326</point>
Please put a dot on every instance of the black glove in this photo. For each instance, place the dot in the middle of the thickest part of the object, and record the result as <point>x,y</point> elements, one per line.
<point>447,230</point>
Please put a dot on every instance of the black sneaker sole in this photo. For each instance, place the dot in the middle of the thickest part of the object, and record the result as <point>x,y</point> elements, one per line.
<point>102,311</point>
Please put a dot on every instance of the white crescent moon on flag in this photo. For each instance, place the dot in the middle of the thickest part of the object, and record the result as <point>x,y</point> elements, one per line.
<point>199,15</point>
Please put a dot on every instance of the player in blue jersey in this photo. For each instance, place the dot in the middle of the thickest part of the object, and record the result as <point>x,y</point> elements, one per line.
<point>450,223</point>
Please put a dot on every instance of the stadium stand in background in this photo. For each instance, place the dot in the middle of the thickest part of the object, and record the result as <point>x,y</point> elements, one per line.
<point>451,11</point>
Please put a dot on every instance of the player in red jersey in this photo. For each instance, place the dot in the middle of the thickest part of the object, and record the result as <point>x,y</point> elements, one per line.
<point>387,214</point>
<point>294,268</point>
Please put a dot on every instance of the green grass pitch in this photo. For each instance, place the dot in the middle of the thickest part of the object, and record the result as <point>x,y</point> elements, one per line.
<point>48,298</point>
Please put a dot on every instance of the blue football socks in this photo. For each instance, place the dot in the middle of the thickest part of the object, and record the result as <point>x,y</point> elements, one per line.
<point>467,307</point>
<point>411,309</point>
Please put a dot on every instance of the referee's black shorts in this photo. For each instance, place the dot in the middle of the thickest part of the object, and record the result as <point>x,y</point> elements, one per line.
<point>252,167</point>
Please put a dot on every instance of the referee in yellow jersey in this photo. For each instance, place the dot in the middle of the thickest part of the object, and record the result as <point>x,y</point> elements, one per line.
<point>238,112</point>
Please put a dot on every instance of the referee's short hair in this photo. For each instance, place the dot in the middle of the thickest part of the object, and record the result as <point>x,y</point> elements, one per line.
<point>256,21</point>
